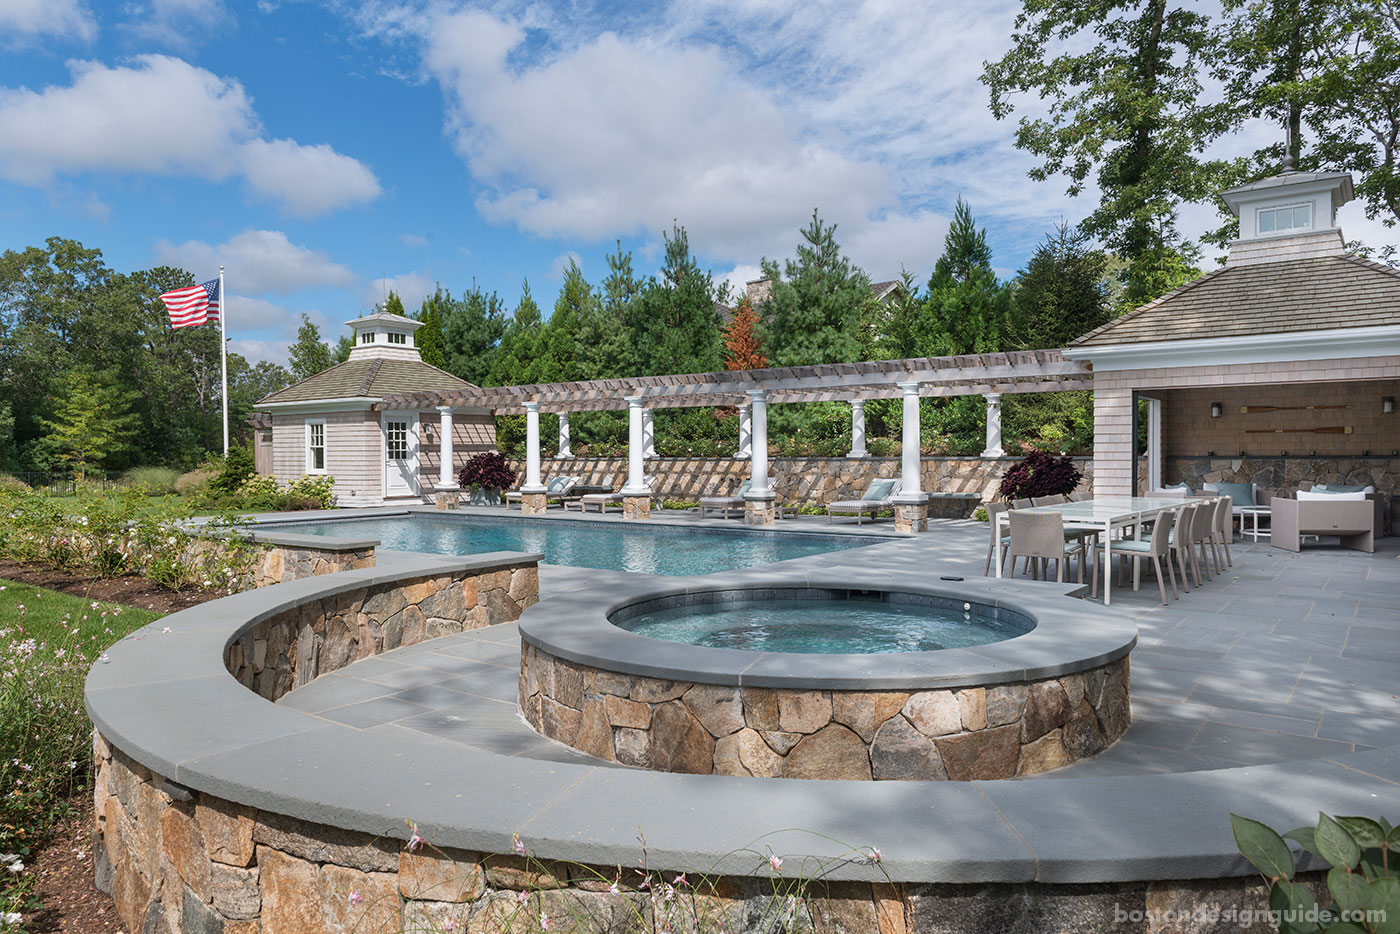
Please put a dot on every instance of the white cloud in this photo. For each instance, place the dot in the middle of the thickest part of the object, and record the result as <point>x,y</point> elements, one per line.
<point>411,288</point>
<point>414,240</point>
<point>164,116</point>
<point>26,20</point>
<point>307,180</point>
<point>259,262</point>
<point>178,23</point>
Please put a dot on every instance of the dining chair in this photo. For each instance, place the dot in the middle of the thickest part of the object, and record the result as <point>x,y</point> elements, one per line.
<point>1040,537</point>
<point>1021,503</point>
<point>1157,548</point>
<point>993,511</point>
<point>1179,542</point>
<point>1052,500</point>
<point>1224,531</point>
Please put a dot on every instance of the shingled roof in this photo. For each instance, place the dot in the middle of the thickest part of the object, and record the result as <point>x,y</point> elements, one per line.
<point>1318,293</point>
<point>372,378</point>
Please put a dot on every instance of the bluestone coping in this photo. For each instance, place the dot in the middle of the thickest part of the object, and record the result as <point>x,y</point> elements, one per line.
<point>164,697</point>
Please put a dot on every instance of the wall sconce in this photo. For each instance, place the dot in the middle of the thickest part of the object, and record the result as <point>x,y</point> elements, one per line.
<point>1215,409</point>
<point>1388,405</point>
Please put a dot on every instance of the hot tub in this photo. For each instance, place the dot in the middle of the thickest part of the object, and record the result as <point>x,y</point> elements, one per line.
<point>1042,682</point>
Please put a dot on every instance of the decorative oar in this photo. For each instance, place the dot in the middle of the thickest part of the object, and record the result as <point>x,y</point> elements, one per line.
<point>1330,430</point>
<point>1251,409</point>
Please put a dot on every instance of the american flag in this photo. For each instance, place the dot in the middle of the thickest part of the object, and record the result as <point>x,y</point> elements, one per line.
<point>194,305</point>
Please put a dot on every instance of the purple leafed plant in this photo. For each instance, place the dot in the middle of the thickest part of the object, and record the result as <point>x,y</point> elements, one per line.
<point>487,471</point>
<point>1040,474</point>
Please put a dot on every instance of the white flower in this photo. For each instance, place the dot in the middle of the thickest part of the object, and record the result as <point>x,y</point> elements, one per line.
<point>16,866</point>
<point>11,917</point>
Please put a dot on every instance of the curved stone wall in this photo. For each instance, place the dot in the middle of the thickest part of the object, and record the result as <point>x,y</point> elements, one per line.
<point>1003,731</point>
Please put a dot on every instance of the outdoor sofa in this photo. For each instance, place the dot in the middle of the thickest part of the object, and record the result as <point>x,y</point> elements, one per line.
<point>879,496</point>
<point>1350,516</point>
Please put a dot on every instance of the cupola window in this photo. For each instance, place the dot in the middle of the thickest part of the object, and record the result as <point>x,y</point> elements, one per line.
<point>398,337</point>
<point>1294,217</point>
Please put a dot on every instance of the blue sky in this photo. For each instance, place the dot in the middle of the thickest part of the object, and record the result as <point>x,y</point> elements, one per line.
<point>322,151</point>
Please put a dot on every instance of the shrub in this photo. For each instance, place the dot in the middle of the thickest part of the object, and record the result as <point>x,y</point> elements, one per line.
<point>487,471</point>
<point>1362,881</point>
<point>8,482</point>
<point>158,481</point>
<point>195,480</point>
<point>237,467</point>
<point>317,490</point>
<point>1040,474</point>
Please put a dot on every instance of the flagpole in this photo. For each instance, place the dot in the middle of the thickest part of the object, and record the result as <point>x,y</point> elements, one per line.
<point>223,351</point>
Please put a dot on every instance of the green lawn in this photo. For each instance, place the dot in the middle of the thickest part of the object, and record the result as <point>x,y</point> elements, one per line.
<point>49,617</point>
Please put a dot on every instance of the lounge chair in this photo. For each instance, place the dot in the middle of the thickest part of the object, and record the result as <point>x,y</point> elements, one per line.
<point>603,500</point>
<point>878,496</point>
<point>725,503</point>
<point>557,488</point>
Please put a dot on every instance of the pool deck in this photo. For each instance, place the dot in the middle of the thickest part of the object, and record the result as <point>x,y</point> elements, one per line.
<point>1284,657</point>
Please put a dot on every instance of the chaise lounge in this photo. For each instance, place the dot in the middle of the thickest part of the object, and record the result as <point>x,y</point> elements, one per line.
<point>725,503</point>
<point>602,500</point>
<point>878,497</point>
<point>557,488</point>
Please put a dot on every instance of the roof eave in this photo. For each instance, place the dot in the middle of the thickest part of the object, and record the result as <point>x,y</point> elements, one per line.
<point>1281,347</point>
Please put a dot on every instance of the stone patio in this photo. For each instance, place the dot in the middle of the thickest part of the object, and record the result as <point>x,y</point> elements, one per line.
<point>1284,657</point>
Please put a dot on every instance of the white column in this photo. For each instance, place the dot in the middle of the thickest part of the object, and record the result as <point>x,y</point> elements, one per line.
<point>993,448</point>
<point>745,433</point>
<point>1154,446</point>
<point>564,436</point>
<point>636,478</point>
<point>758,462</point>
<point>648,435</point>
<point>532,482</point>
<point>447,480</point>
<point>858,429</point>
<point>910,490</point>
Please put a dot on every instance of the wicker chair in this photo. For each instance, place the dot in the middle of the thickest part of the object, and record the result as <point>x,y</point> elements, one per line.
<point>1179,542</point>
<point>1042,537</point>
<point>1053,500</point>
<point>1158,548</point>
<point>995,509</point>
<point>1021,503</point>
<point>1224,531</point>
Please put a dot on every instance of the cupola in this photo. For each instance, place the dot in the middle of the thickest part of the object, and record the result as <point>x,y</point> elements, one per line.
<point>1291,215</point>
<point>384,335</point>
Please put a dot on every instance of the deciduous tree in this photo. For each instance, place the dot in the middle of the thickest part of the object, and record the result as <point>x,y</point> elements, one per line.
<point>309,355</point>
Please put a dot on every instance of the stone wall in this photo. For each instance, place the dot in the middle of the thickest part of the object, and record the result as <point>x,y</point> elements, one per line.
<point>281,563</point>
<point>183,862</point>
<point>796,480</point>
<point>294,647</point>
<point>974,733</point>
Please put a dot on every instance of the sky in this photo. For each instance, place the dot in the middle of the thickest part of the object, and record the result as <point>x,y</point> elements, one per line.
<point>326,152</point>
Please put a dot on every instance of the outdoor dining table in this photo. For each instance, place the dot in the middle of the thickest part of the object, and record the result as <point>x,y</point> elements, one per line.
<point>1099,515</point>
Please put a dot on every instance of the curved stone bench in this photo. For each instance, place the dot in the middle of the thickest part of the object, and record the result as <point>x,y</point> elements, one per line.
<point>212,775</point>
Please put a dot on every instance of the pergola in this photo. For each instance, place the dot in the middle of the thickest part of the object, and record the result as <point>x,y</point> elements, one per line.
<point>990,375</point>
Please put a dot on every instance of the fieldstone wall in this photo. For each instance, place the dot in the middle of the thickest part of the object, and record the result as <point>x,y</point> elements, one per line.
<point>796,480</point>
<point>183,862</point>
<point>292,648</point>
<point>1284,475</point>
<point>283,563</point>
<point>974,733</point>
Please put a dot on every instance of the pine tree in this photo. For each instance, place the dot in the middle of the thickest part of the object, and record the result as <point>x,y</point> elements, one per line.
<point>93,419</point>
<point>309,355</point>
<point>676,328</point>
<point>559,344</point>
<point>518,362</point>
<point>472,328</point>
<point>1061,293</point>
<point>967,310</point>
<point>742,348</point>
<point>813,315</point>
<point>394,305</point>
<point>429,339</point>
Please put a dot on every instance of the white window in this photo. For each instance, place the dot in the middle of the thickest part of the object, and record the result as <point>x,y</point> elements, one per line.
<point>366,337</point>
<point>1295,217</point>
<point>398,337</point>
<point>396,440</point>
<point>316,445</point>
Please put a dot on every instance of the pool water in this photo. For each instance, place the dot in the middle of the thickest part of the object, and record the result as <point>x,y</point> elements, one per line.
<point>827,627</point>
<point>656,550</point>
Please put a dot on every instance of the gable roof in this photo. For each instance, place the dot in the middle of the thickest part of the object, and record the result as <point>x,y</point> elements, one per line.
<point>1318,293</point>
<point>370,377</point>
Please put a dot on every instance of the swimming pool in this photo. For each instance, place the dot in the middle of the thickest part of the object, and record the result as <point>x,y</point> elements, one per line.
<point>656,549</point>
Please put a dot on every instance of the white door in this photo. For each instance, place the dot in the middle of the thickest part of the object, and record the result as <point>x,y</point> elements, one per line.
<point>400,453</point>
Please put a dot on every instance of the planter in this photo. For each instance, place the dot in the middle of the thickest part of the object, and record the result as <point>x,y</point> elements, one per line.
<point>485,497</point>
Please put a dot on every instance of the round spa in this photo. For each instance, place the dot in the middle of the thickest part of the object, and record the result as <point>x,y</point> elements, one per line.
<point>783,675</point>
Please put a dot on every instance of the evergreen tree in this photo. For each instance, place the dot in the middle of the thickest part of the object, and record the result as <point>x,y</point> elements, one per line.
<point>1061,293</point>
<point>93,420</point>
<point>472,328</point>
<point>429,339</point>
<point>743,350</point>
<point>675,327</point>
<point>559,341</point>
<point>967,310</point>
<point>889,330</point>
<point>309,355</point>
<point>813,315</point>
<point>394,305</point>
<point>341,351</point>
<point>517,362</point>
